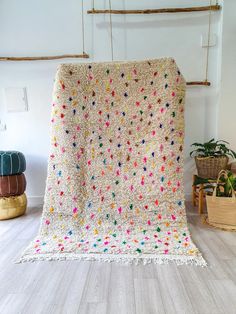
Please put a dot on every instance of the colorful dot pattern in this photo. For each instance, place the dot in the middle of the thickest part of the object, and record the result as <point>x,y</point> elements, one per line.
<point>115,174</point>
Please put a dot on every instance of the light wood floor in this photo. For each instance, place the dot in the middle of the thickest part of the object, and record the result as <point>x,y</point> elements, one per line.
<point>92,287</point>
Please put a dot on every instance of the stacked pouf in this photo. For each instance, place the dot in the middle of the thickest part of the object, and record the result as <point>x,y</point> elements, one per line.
<point>13,201</point>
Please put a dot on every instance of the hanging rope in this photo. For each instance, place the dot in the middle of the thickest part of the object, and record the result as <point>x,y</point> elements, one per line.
<point>64,56</point>
<point>82,19</point>
<point>111,37</point>
<point>210,8</point>
<point>208,42</point>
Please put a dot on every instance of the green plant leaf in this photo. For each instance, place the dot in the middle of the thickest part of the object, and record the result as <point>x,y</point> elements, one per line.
<point>212,148</point>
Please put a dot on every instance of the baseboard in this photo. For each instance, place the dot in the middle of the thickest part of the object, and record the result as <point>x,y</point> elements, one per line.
<point>35,201</point>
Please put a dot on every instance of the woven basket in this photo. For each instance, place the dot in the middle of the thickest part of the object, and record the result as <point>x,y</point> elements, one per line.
<point>13,206</point>
<point>209,167</point>
<point>221,210</point>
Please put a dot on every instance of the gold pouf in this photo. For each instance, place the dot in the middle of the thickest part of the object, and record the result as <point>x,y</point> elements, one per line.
<point>11,207</point>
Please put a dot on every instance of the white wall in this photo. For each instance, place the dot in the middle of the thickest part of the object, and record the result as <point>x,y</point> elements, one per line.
<point>54,27</point>
<point>227,105</point>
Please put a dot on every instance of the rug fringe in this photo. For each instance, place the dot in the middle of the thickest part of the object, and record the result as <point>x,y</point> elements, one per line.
<point>125,259</point>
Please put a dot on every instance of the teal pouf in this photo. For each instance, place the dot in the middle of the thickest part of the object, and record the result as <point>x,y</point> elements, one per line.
<point>11,162</point>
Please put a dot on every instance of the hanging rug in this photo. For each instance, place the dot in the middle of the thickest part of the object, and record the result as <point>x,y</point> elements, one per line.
<point>115,174</point>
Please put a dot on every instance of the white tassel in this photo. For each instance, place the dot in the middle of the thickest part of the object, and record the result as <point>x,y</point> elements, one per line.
<point>125,259</point>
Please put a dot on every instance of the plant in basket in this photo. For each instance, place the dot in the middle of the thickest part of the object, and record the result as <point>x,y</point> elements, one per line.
<point>211,157</point>
<point>224,187</point>
<point>221,204</point>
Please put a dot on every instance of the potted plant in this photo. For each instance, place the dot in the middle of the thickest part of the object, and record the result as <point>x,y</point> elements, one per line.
<point>221,204</point>
<point>211,157</point>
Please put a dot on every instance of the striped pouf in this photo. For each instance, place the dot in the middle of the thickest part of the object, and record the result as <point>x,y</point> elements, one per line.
<point>11,162</point>
<point>12,185</point>
<point>13,200</point>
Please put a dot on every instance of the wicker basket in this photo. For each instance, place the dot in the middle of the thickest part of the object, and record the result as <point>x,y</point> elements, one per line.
<point>209,167</point>
<point>221,210</point>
